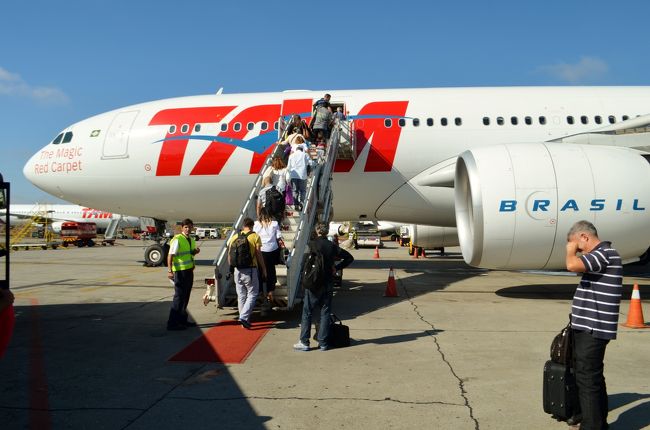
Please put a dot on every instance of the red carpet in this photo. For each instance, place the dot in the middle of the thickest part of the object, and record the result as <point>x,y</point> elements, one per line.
<point>227,342</point>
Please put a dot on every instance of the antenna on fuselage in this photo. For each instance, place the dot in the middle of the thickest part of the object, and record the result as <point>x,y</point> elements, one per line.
<point>220,91</point>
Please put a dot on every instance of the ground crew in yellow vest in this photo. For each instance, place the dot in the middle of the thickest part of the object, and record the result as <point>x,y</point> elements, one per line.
<point>180,269</point>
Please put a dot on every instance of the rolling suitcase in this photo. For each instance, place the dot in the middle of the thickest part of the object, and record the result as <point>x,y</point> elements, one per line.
<point>560,393</point>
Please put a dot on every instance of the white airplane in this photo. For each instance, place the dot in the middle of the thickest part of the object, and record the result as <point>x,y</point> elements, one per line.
<point>57,214</point>
<point>511,168</point>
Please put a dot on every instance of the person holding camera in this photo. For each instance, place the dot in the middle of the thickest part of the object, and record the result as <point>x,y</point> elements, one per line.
<point>180,270</point>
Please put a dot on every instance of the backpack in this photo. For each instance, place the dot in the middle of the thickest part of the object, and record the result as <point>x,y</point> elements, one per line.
<point>274,201</point>
<point>240,252</point>
<point>313,269</point>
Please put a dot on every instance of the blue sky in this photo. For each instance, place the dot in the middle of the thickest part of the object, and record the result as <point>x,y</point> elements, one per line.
<point>61,62</point>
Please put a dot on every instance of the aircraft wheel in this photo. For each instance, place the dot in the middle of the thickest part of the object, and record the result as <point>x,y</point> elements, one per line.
<point>411,250</point>
<point>91,242</point>
<point>154,255</point>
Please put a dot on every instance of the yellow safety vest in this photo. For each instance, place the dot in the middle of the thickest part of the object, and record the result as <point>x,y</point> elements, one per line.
<point>183,259</point>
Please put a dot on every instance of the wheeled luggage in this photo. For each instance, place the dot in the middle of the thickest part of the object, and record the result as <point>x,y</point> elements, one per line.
<point>560,393</point>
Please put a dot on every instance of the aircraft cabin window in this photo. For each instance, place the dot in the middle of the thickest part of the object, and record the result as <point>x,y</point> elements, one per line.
<point>250,126</point>
<point>416,122</point>
<point>584,119</point>
<point>500,120</point>
<point>486,120</point>
<point>598,119</point>
<point>57,139</point>
<point>224,126</point>
<point>401,122</point>
<point>514,120</point>
<point>67,137</point>
<point>388,123</point>
<point>443,122</point>
<point>264,125</point>
<point>611,119</point>
<point>237,126</point>
<point>172,129</point>
<point>430,122</point>
<point>458,121</point>
<point>569,119</point>
<point>625,117</point>
<point>542,120</point>
<point>185,128</point>
<point>197,128</point>
<point>528,120</point>
<point>276,125</point>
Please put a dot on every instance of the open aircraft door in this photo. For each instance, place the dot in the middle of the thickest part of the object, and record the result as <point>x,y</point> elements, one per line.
<point>116,143</point>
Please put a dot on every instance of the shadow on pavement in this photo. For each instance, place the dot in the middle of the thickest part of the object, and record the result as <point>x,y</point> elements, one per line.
<point>104,366</point>
<point>635,418</point>
<point>547,291</point>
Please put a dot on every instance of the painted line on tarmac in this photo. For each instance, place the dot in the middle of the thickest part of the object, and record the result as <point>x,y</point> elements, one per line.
<point>39,416</point>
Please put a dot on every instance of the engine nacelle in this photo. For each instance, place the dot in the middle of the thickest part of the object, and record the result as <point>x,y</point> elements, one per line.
<point>515,203</point>
<point>429,237</point>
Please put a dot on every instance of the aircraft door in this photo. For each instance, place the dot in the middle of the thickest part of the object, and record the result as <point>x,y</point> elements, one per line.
<point>116,143</point>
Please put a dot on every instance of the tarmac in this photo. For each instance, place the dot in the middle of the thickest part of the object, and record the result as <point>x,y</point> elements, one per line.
<point>460,348</point>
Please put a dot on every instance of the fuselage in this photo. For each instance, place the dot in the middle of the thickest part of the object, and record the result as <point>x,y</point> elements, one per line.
<point>197,156</point>
<point>58,213</point>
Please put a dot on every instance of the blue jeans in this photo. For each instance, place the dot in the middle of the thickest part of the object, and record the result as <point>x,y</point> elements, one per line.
<point>589,353</point>
<point>311,303</point>
<point>299,188</point>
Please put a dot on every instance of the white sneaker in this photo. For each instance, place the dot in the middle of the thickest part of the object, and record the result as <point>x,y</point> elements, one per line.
<point>301,347</point>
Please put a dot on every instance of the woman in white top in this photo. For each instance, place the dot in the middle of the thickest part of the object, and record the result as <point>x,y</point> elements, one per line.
<point>278,173</point>
<point>269,231</point>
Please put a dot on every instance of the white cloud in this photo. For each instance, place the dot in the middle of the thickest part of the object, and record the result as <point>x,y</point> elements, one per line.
<point>11,84</point>
<point>587,69</point>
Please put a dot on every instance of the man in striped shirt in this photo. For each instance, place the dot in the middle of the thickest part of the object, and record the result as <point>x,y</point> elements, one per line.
<point>594,316</point>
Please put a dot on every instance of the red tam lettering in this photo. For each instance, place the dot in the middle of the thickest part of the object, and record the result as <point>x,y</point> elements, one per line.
<point>217,154</point>
<point>382,151</point>
<point>170,160</point>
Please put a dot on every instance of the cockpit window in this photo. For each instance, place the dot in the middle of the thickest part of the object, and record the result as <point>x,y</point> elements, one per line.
<point>68,137</point>
<point>57,140</point>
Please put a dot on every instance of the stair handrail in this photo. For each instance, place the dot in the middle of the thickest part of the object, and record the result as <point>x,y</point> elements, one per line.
<point>223,277</point>
<point>318,200</point>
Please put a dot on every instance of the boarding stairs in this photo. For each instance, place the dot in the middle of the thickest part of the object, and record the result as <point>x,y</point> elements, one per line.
<point>111,231</point>
<point>297,227</point>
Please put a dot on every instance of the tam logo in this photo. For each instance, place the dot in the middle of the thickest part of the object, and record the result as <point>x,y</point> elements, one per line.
<point>93,213</point>
<point>595,205</point>
<point>182,121</point>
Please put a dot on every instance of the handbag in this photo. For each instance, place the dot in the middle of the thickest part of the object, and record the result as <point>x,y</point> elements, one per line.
<point>562,346</point>
<point>288,195</point>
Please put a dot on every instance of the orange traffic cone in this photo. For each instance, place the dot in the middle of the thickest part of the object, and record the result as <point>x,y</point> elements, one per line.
<point>424,254</point>
<point>376,252</point>
<point>391,290</point>
<point>416,252</point>
<point>635,316</point>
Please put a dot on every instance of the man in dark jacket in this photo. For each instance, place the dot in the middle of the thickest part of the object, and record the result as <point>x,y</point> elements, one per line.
<point>321,298</point>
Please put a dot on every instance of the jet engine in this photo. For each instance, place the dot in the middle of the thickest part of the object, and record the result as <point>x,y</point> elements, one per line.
<point>515,203</point>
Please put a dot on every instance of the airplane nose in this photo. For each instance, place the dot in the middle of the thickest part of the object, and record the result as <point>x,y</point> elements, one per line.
<point>35,171</point>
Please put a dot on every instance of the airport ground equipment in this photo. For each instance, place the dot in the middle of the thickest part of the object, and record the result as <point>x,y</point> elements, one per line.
<point>111,231</point>
<point>38,224</point>
<point>368,234</point>
<point>297,227</point>
<point>78,233</point>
